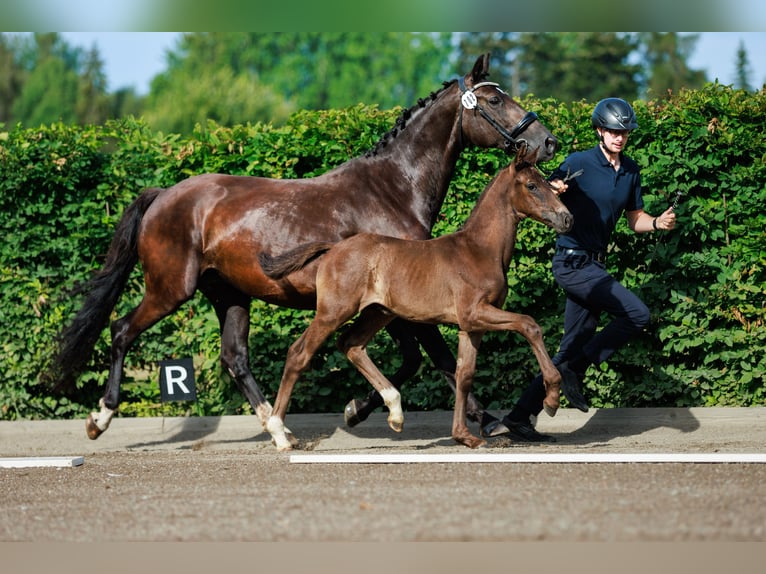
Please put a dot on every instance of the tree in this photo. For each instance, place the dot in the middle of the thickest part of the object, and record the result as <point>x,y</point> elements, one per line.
<point>666,55</point>
<point>49,94</point>
<point>568,66</point>
<point>11,78</point>
<point>743,69</point>
<point>301,70</point>
<point>92,105</point>
<point>179,103</point>
<point>503,50</point>
<point>573,66</point>
<point>55,82</point>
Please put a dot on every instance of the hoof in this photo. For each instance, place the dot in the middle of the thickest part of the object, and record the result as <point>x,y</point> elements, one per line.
<point>470,441</point>
<point>282,448</point>
<point>396,426</point>
<point>92,428</point>
<point>552,399</point>
<point>351,413</point>
<point>549,410</point>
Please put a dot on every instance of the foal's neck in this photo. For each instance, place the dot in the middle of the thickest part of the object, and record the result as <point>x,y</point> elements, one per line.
<point>493,223</point>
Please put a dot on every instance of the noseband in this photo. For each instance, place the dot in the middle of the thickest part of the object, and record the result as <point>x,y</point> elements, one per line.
<point>469,101</point>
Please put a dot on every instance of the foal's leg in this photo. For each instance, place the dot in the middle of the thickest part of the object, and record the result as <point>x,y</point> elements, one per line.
<point>485,317</point>
<point>432,341</point>
<point>401,331</point>
<point>409,337</point>
<point>298,358</point>
<point>353,344</point>
<point>468,347</point>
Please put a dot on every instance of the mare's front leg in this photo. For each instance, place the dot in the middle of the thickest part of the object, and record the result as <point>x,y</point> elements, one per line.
<point>353,344</point>
<point>232,307</point>
<point>468,348</point>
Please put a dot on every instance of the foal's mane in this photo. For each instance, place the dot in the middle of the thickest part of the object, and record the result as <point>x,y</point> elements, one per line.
<point>401,121</point>
<point>519,166</point>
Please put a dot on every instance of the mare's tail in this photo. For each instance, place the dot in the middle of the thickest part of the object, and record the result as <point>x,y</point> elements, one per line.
<point>74,345</point>
<point>277,266</point>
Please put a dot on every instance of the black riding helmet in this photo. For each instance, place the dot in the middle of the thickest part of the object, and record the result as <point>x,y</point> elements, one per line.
<point>614,114</point>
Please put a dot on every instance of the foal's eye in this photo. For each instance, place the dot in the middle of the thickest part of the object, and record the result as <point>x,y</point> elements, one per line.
<point>531,186</point>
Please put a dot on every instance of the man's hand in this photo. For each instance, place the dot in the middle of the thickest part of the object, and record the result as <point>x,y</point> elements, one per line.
<point>558,186</point>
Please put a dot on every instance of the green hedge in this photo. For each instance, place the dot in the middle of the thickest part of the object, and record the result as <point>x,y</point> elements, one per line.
<point>63,188</point>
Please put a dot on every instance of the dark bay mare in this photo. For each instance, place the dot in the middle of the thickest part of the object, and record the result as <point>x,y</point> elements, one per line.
<point>206,233</point>
<point>459,278</point>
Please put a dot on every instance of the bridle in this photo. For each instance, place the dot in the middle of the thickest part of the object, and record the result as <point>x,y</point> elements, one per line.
<point>469,101</point>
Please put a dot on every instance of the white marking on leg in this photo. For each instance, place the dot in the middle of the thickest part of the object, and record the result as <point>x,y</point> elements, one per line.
<point>276,429</point>
<point>104,417</point>
<point>393,400</point>
<point>263,412</point>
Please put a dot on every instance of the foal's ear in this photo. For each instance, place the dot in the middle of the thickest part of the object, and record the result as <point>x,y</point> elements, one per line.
<point>521,154</point>
<point>480,69</point>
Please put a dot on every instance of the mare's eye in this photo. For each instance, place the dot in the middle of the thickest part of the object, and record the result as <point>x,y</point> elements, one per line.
<point>495,100</point>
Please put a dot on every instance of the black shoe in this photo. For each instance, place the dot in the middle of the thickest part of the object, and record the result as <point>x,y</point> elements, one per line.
<point>570,386</point>
<point>516,430</point>
<point>487,419</point>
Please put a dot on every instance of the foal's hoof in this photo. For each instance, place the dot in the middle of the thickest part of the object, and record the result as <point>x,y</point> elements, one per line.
<point>549,410</point>
<point>351,413</point>
<point>92,428</point>
<point>552,399</point>
<point>470,441</point>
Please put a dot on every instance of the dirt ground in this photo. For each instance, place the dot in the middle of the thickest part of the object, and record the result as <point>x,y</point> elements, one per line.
<point>220,480</point>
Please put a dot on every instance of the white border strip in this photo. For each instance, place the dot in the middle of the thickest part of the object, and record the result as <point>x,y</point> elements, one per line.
<point>531,458</point>
<point>27,462</point>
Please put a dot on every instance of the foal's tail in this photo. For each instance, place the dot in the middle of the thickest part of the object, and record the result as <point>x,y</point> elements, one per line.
<point>74,345</point>
<point>277,266</point>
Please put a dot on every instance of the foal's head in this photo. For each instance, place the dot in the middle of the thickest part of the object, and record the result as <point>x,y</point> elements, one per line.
<point>533,196</point>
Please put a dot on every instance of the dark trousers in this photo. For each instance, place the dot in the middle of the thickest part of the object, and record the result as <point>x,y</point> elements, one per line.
<point>590,291</point>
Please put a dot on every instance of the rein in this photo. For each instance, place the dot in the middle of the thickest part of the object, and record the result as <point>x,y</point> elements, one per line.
<point>470,102</point>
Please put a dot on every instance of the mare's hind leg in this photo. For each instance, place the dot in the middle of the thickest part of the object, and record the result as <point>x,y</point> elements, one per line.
<point>232,308</point>
<point>124,332</point>
<point>353,344</point>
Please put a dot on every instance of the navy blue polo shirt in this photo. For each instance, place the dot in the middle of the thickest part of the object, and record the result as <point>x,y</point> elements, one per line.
<point>597,198</point>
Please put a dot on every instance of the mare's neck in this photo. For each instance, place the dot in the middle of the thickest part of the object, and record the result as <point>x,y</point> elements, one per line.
<point>424,154</point>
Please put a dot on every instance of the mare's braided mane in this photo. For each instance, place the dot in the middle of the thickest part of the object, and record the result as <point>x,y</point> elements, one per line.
<point>401,121</point>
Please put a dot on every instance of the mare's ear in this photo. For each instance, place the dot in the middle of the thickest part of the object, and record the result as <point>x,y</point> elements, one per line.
<point>480,69</point>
